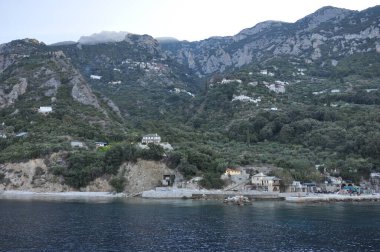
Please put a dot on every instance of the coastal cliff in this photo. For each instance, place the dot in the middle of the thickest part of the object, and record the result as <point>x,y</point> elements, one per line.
<point>35,175</point>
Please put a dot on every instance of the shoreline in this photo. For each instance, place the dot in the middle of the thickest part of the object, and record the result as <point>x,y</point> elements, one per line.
<point>175,193</point>
<point>15,194</point>
<point>195,194</point>
<point>332,198</point>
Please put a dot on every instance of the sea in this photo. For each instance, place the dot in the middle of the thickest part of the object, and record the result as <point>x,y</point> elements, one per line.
<point>186,225</point>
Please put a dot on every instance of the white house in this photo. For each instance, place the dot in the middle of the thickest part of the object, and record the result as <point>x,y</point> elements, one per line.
<point>22,134</point>
<point>298,187</point>
<point>76,144</point>
<point>95,77</point>
<point>226,81</point>
<point>101,144</point>
<point>151,138</point>
<point>114,82</point>
<point>45,110</point>
<point>266,183</point>
<point>245,98</point>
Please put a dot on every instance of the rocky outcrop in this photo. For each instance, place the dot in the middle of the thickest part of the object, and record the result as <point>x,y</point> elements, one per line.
<point>82,93</point>
<point>52,86</point>
<point>112,105</point>
<point>17,90</point>
<point>328,33</point>
<point>144,175</point>
<point>145,42</point>
<point>35,175</point>
<point>6,61</point>
<point>32,175</point>
<point>322,15</point>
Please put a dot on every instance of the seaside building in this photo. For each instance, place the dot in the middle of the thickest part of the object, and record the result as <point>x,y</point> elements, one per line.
<point>265,183</point>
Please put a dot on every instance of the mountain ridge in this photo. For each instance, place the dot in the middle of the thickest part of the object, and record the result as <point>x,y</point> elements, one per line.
<point>271,38</point>
<point>296,95</point>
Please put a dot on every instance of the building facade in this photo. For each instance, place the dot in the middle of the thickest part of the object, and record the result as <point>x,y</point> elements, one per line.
<point>151,138</point>
<point>265,183</point>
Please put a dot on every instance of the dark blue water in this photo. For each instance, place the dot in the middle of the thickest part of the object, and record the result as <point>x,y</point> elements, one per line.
<point>141,225</point>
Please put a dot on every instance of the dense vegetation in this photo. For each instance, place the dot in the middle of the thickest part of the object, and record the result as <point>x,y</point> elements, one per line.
<point>83,166</point>
<point>326,121</point>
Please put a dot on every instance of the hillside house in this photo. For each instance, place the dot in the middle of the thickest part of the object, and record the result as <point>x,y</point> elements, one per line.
<point>297,186</point>
<point>311,187</point>
<point>76,144</point>
<point>265,183</point>
<point>235,175</point>
<point>151,138</point>
<point>232,172</point>
<point>95,77</point>
<point>45,110</point>
<point>100,144</point>
<point>22,134</point>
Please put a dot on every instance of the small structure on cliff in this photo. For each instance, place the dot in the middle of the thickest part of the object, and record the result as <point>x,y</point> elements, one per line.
<point>151,138</point>
<point>45,110</point>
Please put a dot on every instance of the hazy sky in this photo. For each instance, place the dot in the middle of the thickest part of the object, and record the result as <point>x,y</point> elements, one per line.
<point>61,20</point>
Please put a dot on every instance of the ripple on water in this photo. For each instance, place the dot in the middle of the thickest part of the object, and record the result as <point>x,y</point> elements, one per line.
<point>187,226</point>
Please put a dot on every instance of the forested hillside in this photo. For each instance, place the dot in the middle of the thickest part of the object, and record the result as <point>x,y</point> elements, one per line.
<point>303,97</point>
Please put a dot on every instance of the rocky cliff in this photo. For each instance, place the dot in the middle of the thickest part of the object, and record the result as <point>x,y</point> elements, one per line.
<point>328,34</point>
<point>30,66</point>
<point>36,175</point>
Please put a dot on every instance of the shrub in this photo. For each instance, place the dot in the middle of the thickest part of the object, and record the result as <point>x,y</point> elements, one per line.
<point>188,170</point>
<point>154,152</point>
<point>118,183</point>
<point>211,181</point>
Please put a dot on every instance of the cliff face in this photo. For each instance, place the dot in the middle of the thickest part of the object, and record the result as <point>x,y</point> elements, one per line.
<point>18,89</point>
<point>32,175</point>
<point>35,175</point>
<point>28,66</point>
<point>145,175</point>
<point>328,34</point>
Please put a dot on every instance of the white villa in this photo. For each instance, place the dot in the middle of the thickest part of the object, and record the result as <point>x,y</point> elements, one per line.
<point>45,110</point>
<point>95,77</point>
<point>265,183</point>
<point>298,187</point>
<point>77,144</point>
<point>151,138</point>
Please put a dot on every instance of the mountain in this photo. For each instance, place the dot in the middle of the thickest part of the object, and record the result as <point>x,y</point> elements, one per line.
<point>295,96</point>
<point>48,108</point>
<point>328,34</point>
<point>137,74</point>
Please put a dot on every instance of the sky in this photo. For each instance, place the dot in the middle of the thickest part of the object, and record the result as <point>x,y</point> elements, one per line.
<point>53,21</point>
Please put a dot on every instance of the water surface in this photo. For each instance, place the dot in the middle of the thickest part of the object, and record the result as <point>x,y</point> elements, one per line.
<point>180,225</point>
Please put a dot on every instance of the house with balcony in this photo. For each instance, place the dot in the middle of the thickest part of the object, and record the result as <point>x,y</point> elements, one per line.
<point>262,182</point>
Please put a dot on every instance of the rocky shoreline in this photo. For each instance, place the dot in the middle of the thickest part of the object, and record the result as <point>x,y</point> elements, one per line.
<point>166,193</point>
<point>333,198</point>
<point>192,194</point>
<point>14,194</point>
